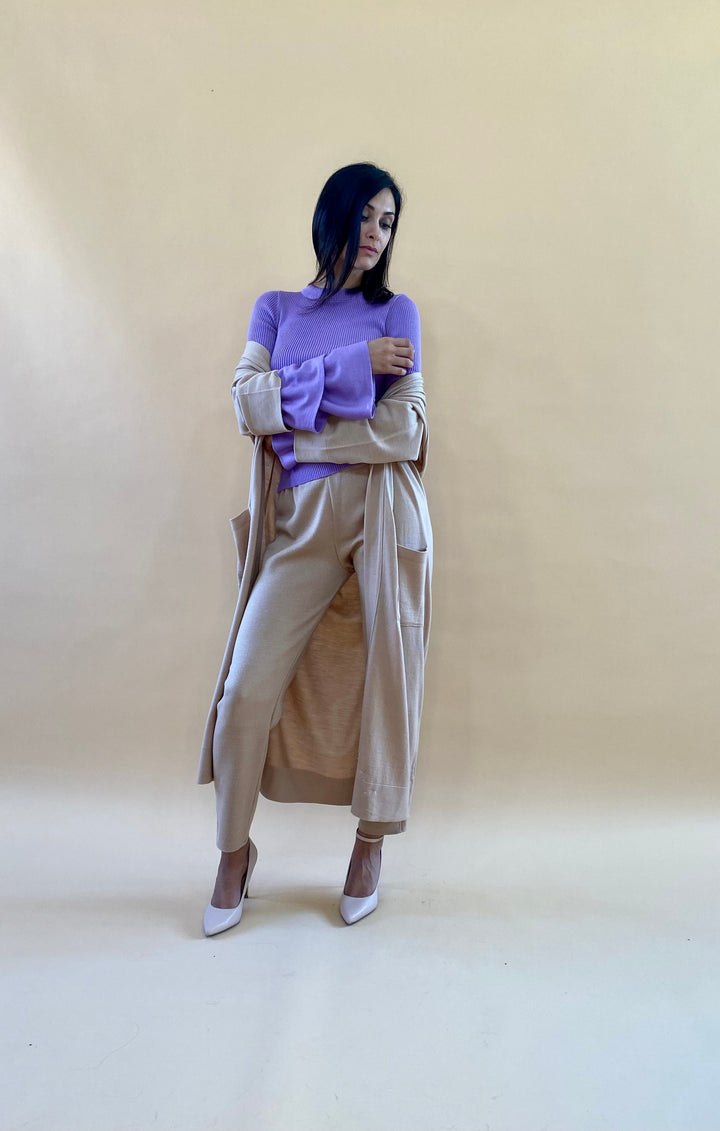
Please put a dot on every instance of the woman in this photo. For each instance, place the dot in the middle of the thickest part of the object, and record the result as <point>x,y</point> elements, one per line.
<point>320,691</point>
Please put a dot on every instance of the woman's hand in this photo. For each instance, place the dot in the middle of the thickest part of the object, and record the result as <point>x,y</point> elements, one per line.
<point>391,355</point>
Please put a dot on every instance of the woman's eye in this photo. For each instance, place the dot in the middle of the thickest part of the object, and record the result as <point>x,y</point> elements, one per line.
<point>386,224</point>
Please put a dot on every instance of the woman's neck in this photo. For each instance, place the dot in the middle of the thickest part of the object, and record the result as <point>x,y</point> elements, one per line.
<point>353,281</point>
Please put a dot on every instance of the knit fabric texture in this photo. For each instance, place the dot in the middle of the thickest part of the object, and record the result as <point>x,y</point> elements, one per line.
<point>322,359</point>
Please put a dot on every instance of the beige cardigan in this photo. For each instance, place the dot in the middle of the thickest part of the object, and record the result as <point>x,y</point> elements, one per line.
<point>347,731</point>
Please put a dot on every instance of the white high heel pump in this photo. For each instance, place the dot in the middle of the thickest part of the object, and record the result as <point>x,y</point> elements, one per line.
<point>217,919</point>
<point>355,907</point>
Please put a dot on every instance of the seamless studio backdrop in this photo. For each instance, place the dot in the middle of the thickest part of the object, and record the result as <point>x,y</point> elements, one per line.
<point>561,240</point>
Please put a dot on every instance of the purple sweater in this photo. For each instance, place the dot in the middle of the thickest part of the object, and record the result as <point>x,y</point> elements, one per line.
<point>323,362</point>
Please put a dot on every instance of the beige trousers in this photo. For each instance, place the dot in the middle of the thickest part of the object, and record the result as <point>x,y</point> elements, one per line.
<point>317,544</point>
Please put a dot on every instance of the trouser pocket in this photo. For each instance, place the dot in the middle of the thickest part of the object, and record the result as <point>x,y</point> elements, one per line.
<point>412,579</point>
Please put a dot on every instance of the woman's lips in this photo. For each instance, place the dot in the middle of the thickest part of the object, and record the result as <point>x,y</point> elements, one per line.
<point>370,249</point>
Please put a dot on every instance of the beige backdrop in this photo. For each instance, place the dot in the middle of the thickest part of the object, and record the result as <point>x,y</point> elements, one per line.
<point>161,164</point>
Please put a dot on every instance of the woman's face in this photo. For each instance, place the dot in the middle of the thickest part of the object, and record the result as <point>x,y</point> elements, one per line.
<point>377,220</point>
<point>378,217</point>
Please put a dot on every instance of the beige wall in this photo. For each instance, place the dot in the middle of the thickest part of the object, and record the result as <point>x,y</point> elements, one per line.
<point>161,163</point>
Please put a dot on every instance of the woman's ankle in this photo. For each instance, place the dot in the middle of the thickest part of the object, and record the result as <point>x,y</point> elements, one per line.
<point>235,854</point>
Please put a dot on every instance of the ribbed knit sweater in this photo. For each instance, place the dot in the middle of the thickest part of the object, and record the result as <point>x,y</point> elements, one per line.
<point>322,359</point>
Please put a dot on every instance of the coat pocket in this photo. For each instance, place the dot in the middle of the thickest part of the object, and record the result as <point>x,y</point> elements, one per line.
<point>412,577</point>
<point>241,533</point>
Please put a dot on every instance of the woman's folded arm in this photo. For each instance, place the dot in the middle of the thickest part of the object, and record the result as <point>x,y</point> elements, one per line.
<point>394,434</point>
<point>268,401</point>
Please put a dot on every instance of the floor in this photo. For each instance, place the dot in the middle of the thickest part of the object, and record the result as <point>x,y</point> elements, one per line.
<point>544,971</point>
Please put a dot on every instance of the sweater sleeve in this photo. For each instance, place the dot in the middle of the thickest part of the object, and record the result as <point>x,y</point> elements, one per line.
<point>339,383</point>
<point>402,321</point>
<point>397,432</point>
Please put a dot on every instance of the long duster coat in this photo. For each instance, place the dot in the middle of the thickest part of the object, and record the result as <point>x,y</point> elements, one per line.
<point>347,730</point>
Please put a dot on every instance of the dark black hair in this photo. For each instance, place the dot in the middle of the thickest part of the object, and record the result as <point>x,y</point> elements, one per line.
<point>336,223</point>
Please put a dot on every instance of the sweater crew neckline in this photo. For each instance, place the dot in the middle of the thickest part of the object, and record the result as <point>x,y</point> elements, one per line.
<point>311,291</point>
